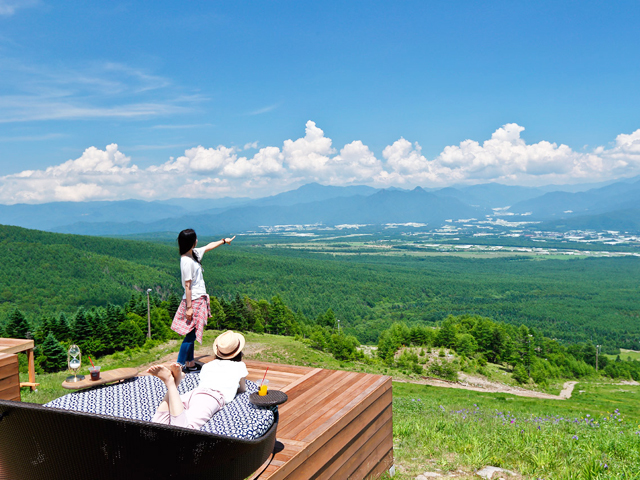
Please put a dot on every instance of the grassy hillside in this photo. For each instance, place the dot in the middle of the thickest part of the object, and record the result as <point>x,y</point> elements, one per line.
<point>594,434</point>
<point>44,272</point>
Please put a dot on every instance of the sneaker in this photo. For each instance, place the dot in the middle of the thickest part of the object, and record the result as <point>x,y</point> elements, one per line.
<point>195,368</point>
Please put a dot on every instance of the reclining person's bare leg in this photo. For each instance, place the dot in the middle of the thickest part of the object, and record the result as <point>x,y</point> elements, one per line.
<point>171,402</point>
<point>176,371</point>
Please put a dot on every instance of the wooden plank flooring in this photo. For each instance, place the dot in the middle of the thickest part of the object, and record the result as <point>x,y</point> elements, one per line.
<point>335,425</point>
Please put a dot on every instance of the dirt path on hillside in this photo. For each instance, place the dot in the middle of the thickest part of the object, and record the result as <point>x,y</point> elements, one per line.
<point>466,382</point>
<point>479,384</point>
<point>249,351</point>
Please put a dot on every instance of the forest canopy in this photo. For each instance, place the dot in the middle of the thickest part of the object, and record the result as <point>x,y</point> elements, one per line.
<point>579,300</point>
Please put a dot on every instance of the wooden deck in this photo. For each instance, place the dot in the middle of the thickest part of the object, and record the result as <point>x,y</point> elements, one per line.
<point>9,378</point>
<point>335,425</point>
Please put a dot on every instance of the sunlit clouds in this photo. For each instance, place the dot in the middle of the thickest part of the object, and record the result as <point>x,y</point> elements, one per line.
<point>210,172</point>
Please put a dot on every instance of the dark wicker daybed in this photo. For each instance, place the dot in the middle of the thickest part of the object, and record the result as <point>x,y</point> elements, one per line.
<point>38,442</point>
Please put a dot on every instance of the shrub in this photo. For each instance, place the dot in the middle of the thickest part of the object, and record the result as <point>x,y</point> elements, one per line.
<point>443,369</point>
<point>520,374</point>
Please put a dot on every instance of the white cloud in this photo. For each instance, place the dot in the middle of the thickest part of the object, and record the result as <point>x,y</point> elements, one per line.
<point>32,138</point>
<point>506,155</point>
<point>355,163</point>
<point>214,172</point>
<point>308,154</point>
<point>266,109</point>
<point>405,158</point>
<point>9,7</point>
<point>627,145</point>
<point>101,90</point>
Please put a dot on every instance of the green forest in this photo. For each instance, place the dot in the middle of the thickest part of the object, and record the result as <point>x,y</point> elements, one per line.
<point>476,340</point>
<point>578,300</point>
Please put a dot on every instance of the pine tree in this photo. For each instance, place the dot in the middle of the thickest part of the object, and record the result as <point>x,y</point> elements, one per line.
<point>446,336</point>
<point>218,317</point>
<point>174,303</point>
<point>113,317</point>
<point>160,322</point>
<point>60,328</point>
<point>277,313</point>
<point>82,329</point>
<point>130,335</point>
<point>137,304</point>
<point>258,326</point>
<point>263,307</point>
<point>17,327</point>
<point>53,355</point>
<point>328,319</point>
<point>252,311</point>
<point>230,315</point>
<point>520,374</point>
<point>240,308</point>
<point>43,330</point>
<point>101,335</point>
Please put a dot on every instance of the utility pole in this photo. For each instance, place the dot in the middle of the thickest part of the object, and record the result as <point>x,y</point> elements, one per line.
<point>597,354</point>
<point>148,314</point>
<point>529,353</point>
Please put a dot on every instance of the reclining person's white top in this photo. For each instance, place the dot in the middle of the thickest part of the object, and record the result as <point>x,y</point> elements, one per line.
<point>224,376</point>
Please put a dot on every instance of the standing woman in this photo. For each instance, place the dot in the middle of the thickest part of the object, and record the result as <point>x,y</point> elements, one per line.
<point>194,309</point>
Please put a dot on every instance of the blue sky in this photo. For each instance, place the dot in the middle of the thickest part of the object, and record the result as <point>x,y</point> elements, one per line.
<point>382,93</point>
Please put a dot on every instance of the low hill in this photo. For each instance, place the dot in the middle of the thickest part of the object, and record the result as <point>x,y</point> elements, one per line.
<point>47,272</point>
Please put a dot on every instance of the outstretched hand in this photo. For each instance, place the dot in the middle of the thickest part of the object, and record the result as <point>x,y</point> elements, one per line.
<point>229,240</point>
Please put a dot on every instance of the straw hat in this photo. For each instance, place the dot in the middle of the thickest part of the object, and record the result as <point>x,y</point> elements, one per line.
<point>228,345</point>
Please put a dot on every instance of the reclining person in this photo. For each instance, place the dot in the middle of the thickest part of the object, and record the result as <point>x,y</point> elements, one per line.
<point>220,380</point>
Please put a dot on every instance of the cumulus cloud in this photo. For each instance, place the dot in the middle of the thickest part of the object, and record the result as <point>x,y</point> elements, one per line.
<point>506,155</point>
<point>219,171</point>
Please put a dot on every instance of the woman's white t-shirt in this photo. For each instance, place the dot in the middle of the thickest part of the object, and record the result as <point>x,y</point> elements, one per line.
<point>224,376</point>
<point>192,270</point>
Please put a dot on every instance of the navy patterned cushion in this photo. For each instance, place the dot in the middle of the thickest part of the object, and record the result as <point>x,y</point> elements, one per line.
<point>139,397</point>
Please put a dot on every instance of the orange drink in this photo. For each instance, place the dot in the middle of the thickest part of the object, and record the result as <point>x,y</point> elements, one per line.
<point>263,388</point>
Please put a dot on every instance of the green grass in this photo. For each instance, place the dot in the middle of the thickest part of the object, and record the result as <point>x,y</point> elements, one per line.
<point>625,354</point>
<point>51,383</point>
<point>447,430</point>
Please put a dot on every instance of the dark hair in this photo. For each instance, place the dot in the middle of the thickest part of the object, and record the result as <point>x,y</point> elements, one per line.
<point>186,241</point>
<point>237,358</point>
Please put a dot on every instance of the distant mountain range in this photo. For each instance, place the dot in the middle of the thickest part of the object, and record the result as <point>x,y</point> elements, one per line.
<point>613,206</point>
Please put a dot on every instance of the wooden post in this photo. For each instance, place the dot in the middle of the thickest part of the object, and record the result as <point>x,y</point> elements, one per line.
<point>148,315</point>
<point>32,367</point>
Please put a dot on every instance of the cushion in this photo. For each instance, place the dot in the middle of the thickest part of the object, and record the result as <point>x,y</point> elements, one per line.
<point>139,397</point>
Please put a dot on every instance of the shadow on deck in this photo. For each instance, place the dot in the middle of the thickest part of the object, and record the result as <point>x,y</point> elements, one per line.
<point>336,424</point>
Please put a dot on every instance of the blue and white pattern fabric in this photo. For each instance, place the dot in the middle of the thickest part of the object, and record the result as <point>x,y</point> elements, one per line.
<point>139,397</point>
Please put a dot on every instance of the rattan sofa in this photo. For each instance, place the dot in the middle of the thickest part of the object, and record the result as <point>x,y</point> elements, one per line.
<point>38,442</point>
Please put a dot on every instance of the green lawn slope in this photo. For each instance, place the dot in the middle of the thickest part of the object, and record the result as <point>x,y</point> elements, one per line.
<point>594,434</point>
